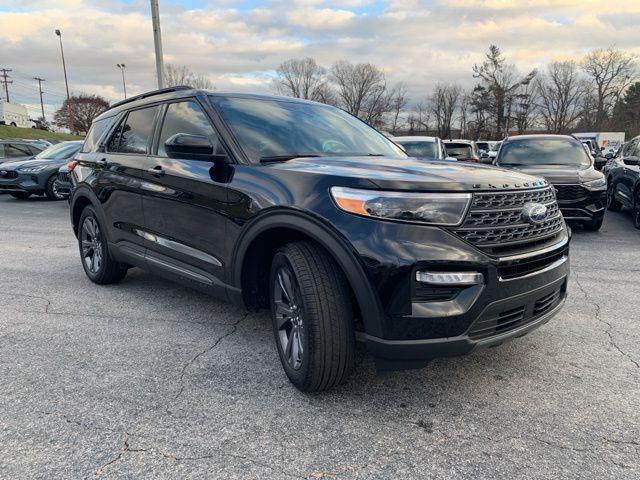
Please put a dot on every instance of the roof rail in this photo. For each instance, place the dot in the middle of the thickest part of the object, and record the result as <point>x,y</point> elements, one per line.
<point>150,94</point>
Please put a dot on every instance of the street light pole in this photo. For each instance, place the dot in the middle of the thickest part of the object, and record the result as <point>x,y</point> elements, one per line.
<point>66,83</point>
<point>122,66</point>
<point>157,40</point>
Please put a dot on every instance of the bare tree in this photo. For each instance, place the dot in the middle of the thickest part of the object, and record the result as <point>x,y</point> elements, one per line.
<point>561,91</point>
<point>85,109</point>
<point>611,71</point>
<point>398,101</point>
<point>525,108</point>
<point>419,118</point>
<point>303,78</point>
<point>362,90</point>
<point>500,81</point>
<point>175,75</point>
<point>444,103</point>
<point>463,116</point>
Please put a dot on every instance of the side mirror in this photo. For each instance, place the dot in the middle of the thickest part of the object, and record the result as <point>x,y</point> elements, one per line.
<point>631,161</point>
<point>599,162</point>
<point>191,147</point>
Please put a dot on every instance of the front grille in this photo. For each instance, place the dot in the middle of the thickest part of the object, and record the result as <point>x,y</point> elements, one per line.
<point>494,222</point>
<point>8,174</point>
<point>570,192</point>
<point>518,268</point>
<point>512,318</point>
<point>63,177</point>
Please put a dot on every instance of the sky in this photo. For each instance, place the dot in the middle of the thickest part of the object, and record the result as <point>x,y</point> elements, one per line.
<point>238,44</point>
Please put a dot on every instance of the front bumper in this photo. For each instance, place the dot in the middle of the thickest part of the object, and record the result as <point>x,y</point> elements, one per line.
<point>581,204</point>
<point>22,182</point>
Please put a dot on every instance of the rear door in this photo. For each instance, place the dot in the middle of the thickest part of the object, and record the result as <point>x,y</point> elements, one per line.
<point>626,181</point>
<point>184,205</point>
<point>120,181</point>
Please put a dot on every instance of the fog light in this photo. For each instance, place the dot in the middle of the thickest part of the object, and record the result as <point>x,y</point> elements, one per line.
<point>450,278</point>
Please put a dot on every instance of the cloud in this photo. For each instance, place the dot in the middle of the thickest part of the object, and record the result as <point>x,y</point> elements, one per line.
<point>239,44</point>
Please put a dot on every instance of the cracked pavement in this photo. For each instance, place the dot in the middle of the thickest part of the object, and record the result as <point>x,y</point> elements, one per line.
<point>148,379</point>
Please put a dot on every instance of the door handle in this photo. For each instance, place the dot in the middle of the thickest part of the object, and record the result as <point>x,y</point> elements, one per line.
<point>157,171</point>
<point>102,162</point>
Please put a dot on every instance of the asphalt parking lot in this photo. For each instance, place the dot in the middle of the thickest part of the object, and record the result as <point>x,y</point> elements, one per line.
<point>147,379</point>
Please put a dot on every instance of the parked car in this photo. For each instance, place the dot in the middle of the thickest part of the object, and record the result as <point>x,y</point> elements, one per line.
<point>297,206</point>
<point>64,181</point>
<point>430,148</point>
<point>564,162</point>
<point>484,146</point>
<point>39,175</point>
<point>12,150</point>
<point>623,180</point>
<point>493,152</point>
<point>462,150</point>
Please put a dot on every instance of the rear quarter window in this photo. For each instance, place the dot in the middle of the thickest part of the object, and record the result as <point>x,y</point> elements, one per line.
<point>95,134</point>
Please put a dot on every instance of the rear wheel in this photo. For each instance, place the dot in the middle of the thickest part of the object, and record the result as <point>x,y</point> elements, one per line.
<point>20,195</point>
<point>94,251</point>
<point>52,189</point>
<point>612,204</point>
<point>312,317</point>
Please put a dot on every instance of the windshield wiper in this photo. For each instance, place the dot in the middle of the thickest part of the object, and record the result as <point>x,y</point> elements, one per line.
<point>284,158</point>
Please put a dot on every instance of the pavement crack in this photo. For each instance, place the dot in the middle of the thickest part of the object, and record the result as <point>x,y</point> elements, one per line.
<point>609,330</point>
<point>185,367</point>
<point>124,449</point>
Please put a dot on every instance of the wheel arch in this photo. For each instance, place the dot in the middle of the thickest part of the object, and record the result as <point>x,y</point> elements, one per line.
<point>83,197</point>
<point>260,239</point>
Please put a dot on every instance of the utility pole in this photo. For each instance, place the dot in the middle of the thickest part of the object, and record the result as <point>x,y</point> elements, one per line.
<point>157,40</point>
<point>66,83</point>
<point>40,80</point>
<point>122,66</point>
<point>5,81</point>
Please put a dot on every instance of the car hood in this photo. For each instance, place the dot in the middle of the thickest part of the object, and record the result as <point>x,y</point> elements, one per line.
<point>561,174</point>
<point>32,162</point>
<point>411,173</point>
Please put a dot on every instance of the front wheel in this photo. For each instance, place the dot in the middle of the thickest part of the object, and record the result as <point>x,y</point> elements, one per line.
<point>52,189</point>
<point>636,210</point>
<point>612,204</point>
<point>312,317</point>
<point>94,251</point>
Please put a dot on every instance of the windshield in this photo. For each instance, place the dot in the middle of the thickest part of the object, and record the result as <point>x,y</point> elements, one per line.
<point>60,151</point>
<point>483,146</point>
<point>421,149</point>
<point>544,151</point>
<point>279,129</point>
<point>460,150</point>
<point>496,146</point>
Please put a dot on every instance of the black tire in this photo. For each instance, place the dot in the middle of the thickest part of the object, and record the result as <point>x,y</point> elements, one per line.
<point>94,251</point>
<point>51,189</point>
<point>320,310</point>
<point>593,225</point>
<point>635,212</point>
<point>612,204</point>
<point>20,195</point>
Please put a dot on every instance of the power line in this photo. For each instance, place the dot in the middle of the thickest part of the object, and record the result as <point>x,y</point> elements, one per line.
<point>5,81</point>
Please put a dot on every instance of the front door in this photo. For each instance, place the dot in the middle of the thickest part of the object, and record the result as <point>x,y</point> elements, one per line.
<point>183,204</point>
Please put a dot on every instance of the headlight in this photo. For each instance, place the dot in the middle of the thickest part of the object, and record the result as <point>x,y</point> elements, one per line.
<point>32,169</point>
<point>434,208</point>
<point>596,184</point>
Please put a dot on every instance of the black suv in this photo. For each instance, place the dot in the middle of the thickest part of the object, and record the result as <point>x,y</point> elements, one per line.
<point>300,207</point>
<point>623,180</point>
<point>581,189</point>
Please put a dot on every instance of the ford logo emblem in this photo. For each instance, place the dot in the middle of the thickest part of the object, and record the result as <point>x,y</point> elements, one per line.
<point>3,173</point>
<point>534,213</point>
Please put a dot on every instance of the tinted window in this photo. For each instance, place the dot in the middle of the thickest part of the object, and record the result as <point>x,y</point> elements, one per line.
<point>459,150</point>
<point>483,146</point>
<point>420,149</point>
<point>132,136</point>
<point>95,132</point>
<point>16,150</point>
<point>544,151</point>
<point>185,117</point>
<point>279,128</point>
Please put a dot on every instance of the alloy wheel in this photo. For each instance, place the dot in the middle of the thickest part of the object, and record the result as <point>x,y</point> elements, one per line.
<point>91,245</point>
<point>289,318</point>
<point>55,188</point>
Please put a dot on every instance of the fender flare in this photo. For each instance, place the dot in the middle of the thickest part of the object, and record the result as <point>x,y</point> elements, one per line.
<point>337,246</point>
<point>85,192</point>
